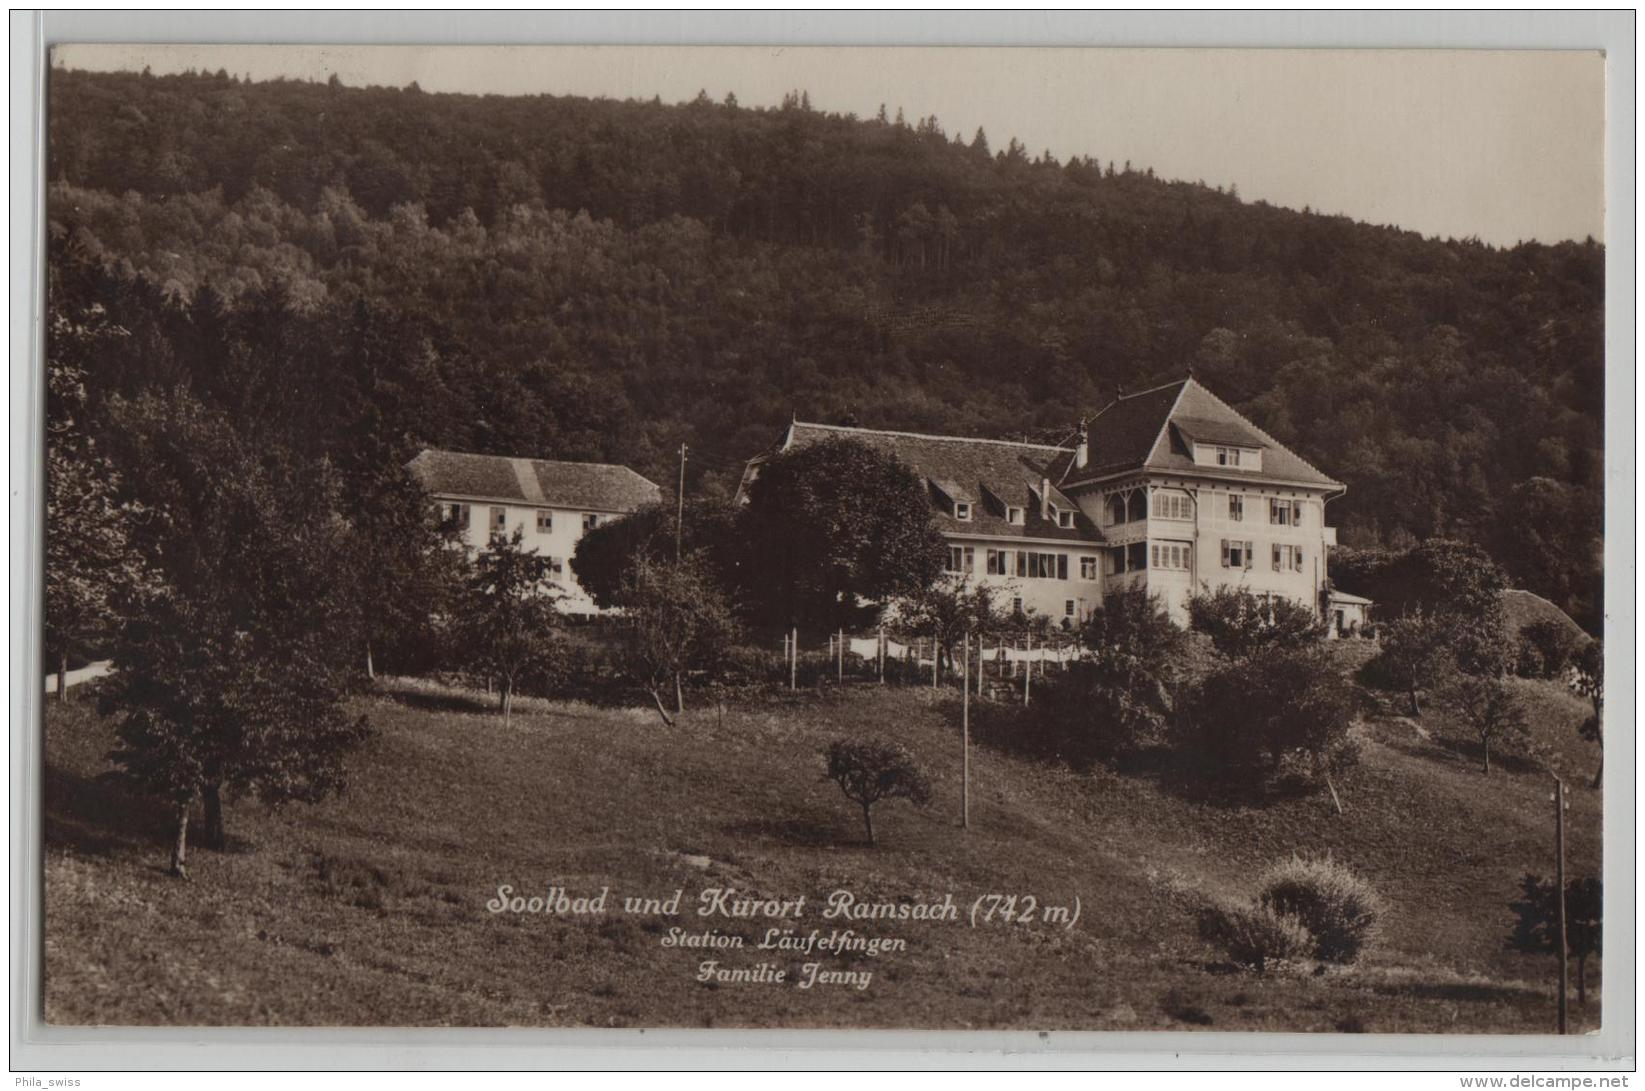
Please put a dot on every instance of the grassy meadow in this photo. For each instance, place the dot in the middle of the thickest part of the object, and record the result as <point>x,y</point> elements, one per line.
<point>371,908</point>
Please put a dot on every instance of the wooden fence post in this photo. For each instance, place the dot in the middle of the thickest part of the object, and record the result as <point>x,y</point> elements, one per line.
<point>1028,671</point>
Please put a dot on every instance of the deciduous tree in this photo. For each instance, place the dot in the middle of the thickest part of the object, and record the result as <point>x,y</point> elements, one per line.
<point>833,530</point>
<point>227,666</point>
<point>1490,708</point>
<point>677,622</point>
<point>1415,654</point>
<point>871,770</point>
<point>605,555</point>
<point>506,627</point>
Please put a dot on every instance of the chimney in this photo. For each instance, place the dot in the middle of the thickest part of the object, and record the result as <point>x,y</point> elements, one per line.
<point>1045,498</point>
<point>1082,450</point>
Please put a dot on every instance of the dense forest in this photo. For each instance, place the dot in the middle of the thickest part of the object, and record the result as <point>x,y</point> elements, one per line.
<point>356,272</point>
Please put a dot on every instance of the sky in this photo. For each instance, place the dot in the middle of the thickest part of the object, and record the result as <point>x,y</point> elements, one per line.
<point>1503,145</point>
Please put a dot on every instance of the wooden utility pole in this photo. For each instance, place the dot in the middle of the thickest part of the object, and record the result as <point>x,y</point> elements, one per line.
<point>679,521</point>
<point>979,663</point>
<point>1028,671</point>
<point>879,654</point>
<point>794,658</point>
<point>1559,897</point>
<point>965,736</point>
<point>935,659</point>
<point>842,657</point>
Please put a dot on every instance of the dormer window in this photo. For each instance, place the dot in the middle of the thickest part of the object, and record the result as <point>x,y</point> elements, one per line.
<point>1013,515</point>
<point>1228,456</point>
<point>1065,519</point>
<point>962,511</point>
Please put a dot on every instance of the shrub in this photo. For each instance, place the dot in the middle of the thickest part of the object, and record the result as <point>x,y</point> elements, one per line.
<point>869,770</point>
<point>1253,935</point>
<point>1088,714</point>
<point>1340,910</point>
<point>1241,625</point>
<point>1113,700</point>
<point>747,666</point>
<point>1528,659</point>
<point>1552,645</point>
<point>587,673</point>
<point>1243,721</point>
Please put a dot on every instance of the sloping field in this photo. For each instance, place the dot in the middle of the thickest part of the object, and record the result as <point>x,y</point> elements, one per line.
<point>372,908</point>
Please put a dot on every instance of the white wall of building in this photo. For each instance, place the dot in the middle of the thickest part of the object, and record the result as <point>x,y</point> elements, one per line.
<point>1187,521</point>
<point>558,542</point>
<point>1053,596</point>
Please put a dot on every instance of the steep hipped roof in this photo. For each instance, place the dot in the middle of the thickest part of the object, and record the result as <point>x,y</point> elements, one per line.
<point>986,472</point>
<point>1153,430</point>
<point>595,486</point>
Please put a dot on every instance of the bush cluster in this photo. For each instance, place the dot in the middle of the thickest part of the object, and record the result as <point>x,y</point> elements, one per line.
<point>1253,935</point>
<point>1339,909</point>
<point>1249,719</point>
<point>1303,909</point>
<point>1544,650</point>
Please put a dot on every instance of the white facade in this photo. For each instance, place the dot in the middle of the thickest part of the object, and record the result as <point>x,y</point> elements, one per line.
<point>1177,536</point>
<point>1053,577</point>
<point>551,532</point>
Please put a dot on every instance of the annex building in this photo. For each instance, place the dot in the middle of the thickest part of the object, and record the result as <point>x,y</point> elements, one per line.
<point>552,503</point>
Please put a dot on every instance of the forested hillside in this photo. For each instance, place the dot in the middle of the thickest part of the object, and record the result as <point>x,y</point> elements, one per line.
<point>357,272</point>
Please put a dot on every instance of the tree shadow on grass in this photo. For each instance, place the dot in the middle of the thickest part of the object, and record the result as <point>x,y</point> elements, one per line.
<point>1470,752</point>
<point>97,815</point>
<point>436,701</point>
<point>1193,780</point>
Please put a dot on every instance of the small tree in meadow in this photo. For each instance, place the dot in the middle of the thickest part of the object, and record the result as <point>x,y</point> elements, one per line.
<point>406,571</point>
<point>871,770</point>
<point>678,622</point>
<point>1590,683</point>
<point>507,626</point>
<point>1491,709</point>
<point>1240,624</point>
<point>1415,654</point>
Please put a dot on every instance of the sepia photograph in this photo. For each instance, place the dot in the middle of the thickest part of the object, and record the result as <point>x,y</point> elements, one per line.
<point>1009,539</point>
